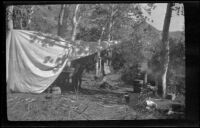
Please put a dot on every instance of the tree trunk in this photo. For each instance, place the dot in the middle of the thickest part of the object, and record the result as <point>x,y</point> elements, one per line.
<point>21,25</point>
<point>10,18</point>
<point>97,66</point>
<point>75,22</point>
<point>98,63</point>
<point>29,20</point>
<point>110,30</point>
<point>111,23</point>
<point>60,21</point>
<point>165,43</point>
<point>145,78</point>
<point>109,34</point>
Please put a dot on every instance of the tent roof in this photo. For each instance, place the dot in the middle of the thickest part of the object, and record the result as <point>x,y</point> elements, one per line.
<point>81,48</point>
<point>34,59</point>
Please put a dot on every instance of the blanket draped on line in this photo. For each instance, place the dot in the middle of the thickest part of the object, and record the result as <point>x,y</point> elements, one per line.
<point>34,60</point>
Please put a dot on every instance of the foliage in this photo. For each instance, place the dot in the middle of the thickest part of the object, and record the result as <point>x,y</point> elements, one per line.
<point>126,57</point>
<point>41,25</point>
<point>117,59</point>
<point>44,18</point>
<point>117,19</point>
<point>140,41</point>
<point>90,35</point>
<point>129,53</point>
<point>21,16</point>
<point>176,74</point>
<point>178,9</point>
<point>130,74</point>
<point>176,70</point>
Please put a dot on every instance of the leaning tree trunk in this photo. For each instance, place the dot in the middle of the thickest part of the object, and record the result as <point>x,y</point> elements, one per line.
<point>60,21</point>
<point>75,22</point>
<point>165,42</point>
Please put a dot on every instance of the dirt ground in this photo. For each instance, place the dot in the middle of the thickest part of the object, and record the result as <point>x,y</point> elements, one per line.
<point>90,103</point>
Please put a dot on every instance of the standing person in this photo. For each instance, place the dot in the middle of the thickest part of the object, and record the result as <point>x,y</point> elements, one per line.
<point>77,77</point>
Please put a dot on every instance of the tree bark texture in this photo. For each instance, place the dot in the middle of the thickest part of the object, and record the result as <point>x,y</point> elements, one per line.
<point>60,21</point>
<point>75,22</point>
<point>145,78</point>
<point>110,24</point>
<point>165,42</point>
<point>98,63</point>
<point>21,24</point>
<point>10,18</point>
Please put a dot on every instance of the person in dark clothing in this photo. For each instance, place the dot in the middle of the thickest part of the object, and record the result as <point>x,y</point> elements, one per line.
<point>77,77</point>
<point>80,65</point>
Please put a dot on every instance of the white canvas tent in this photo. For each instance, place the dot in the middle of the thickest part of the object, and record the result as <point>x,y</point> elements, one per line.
<point>33,60</point>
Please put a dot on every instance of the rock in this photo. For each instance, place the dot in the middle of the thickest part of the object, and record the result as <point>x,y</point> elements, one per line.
<point>103,85</point>
<point>170,112</point>
<point>148,108</point>
<point>56,90</point>
<point>151,104</point>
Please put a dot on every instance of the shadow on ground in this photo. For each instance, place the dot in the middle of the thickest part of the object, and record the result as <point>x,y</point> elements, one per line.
<point>87,91</point>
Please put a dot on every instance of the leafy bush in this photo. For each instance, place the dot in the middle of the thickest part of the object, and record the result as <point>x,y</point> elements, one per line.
<point>89,35</point>
<point>21,15</point>
<point>130,74</point>
<point>126,57</point>
<point>117,60</point>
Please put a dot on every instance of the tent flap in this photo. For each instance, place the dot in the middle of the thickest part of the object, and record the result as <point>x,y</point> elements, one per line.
<point>33,62</point>
<point>34,59</point>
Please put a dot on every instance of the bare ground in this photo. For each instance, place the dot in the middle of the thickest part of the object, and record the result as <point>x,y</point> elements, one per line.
<point>91,103</point>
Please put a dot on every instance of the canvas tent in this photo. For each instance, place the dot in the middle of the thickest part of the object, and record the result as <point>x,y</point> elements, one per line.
<point>32,64</point>
<point>34,60</point>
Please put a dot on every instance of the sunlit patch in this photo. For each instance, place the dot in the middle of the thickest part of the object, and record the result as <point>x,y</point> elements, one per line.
<point>83,54</point>
<point>77,49</point>
<point>87,48</point>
